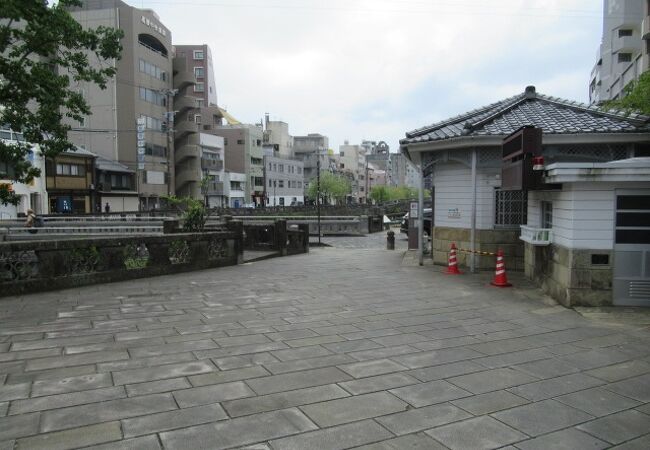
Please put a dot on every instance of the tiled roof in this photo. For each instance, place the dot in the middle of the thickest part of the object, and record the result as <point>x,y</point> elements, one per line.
<point>553,115</point>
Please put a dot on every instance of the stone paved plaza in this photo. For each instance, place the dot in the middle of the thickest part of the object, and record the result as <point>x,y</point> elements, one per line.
<point>339,348</point>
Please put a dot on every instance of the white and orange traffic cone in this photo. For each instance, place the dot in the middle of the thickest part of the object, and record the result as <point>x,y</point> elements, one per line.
<point>500,278</point>
<point>452,267</point>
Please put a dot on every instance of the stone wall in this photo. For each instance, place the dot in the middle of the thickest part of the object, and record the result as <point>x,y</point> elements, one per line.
<point>569,276</point>
<point>49,265</point>
<point>486,241</point>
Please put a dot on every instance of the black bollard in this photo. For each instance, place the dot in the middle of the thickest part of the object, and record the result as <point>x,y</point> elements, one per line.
<point>390,240</point>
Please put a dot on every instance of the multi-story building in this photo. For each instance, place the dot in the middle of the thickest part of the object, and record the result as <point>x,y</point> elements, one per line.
<point>70,182</point>
<point>33,195</point>
<point>401,172</point>
<point>199,153</point>
<point>277,133</point>
<point>142,89</point>
<point>352,158</point>
<point>310,149</point>
<point>115,185</point>
<point>284,179</point>
<point>623,54</point>
<point>243,153</point>
<point>235,189</point>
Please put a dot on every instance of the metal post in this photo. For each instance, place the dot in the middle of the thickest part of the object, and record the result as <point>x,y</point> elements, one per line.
<point>421,219</point>
<point>472,235</point>
<point>318,191</point>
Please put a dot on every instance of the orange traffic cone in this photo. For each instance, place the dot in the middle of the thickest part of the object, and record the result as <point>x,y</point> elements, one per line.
<point>500,279</point>
<point>452,267</point>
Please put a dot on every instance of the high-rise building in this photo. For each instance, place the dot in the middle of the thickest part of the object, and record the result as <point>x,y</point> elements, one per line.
<point>142,89</point>
<point>623,53</point>
<point>199,158</point>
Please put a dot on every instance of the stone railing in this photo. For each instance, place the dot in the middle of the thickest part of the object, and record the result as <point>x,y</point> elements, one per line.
<point>48,265</point>
<point>276,237</point>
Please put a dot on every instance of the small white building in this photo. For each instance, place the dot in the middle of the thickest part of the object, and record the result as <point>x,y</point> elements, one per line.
<point>581,261</point>
<point>235,189</point>
<point>283,179</point>
<point>32,195</point>
<point>588,242</point>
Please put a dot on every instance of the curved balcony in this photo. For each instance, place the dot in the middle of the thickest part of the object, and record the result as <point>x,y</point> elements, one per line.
<point>187,174</point>
<point>185,152</point>
<point>185,127</point>
<point>182,76</point>
<point>184,102</point>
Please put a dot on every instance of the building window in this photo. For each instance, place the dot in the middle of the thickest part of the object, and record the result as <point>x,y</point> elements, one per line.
<point>281,168</point>
<point>198,55</point>
<point>342,153</point>
<point>71,170</point>
<point>342,166</point>
<point>199,72</point>
<point>625,32</point>
<point>281,201</point>
<point>197,118</point>
<point>547,214</point>
<point>280,183</point>
<point>240,142</point>
<point>633,219</point>
<point>510,208</point>
<point>152,70</point>
<point>199,103</point>
<point>270,183</point>
<point>152,96</point>
<point>624,57</point>
<point>155,150</point>
<point>199,87</point>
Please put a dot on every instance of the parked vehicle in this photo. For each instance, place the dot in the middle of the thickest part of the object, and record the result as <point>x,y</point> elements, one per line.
<point>404,227</point>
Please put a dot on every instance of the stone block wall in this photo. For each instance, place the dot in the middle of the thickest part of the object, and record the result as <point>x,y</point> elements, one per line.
<point>486,241</point>
<point>569,276</point>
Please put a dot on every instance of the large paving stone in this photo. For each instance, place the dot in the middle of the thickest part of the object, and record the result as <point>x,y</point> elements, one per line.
<point>335,438</point>
<point>212,394</point>
<point>74,438</point>
<point>297,380</point>
<point>71,384</point>
<point>418,441</point>
<point>542,417</point>
<point>491,380</point>
<point>490,402</point>
<point>619,427</point>
<point>155,423</point>
<point>65,400</point>
<point>370,368</point>
<point>422,418</point>
<point>12,427</point>
<point>554,387</point>
<point>378,383</point>
<point>162,372</point>
<point>637,388</point>
<point>336,412</point>
<point>282,400</point>
<point>77,416</point>
<point>569,439</point>
<point>240,431</point>
<point>598,401</point>
<point>424,394</point>
<point>478,433</point>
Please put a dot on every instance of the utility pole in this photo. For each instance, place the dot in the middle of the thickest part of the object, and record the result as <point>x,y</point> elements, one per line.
<point>318,191</point>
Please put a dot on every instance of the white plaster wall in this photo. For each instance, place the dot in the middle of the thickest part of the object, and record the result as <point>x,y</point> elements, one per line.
<point>583,213</point>
<point>453,189</point>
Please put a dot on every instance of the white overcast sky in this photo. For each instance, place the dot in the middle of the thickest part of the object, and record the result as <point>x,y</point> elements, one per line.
<point>374,69</point>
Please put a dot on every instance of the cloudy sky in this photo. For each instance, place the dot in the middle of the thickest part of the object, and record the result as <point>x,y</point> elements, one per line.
<point>374,69</point>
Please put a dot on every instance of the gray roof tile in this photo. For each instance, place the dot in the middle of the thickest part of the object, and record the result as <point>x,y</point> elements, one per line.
<point>552,114</point>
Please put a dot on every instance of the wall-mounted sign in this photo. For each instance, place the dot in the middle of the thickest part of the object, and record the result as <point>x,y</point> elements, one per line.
<point>453,213</point>
<point>413,212</point>
<point>148,22</point>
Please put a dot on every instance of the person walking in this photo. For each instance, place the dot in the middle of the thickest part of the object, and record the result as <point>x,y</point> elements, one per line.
<point>30,221</point>
<point>107,208</point>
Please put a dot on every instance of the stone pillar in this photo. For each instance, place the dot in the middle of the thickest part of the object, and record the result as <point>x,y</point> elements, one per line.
<point>237,226</point>
<point>304,229</point>
<point>390,240</point>
<point>281,236</point>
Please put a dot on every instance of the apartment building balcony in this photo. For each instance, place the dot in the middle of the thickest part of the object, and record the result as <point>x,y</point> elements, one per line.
<point>185,152</point>
<point>184,102</point>
<point>645,28</point>
<point>185,127</point>
<point>186,174</point>
<point>183,77</point>
<point>625,44</point>
<point>215,188</point>
<point>211,164</point>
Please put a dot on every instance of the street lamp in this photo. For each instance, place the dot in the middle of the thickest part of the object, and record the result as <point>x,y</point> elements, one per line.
<point>318,191</point>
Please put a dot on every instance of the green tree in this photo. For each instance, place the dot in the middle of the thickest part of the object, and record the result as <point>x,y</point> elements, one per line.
<point>42,51</point>
<point>331,186</point>
<point>380,193</point>
<point>637,96</point>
